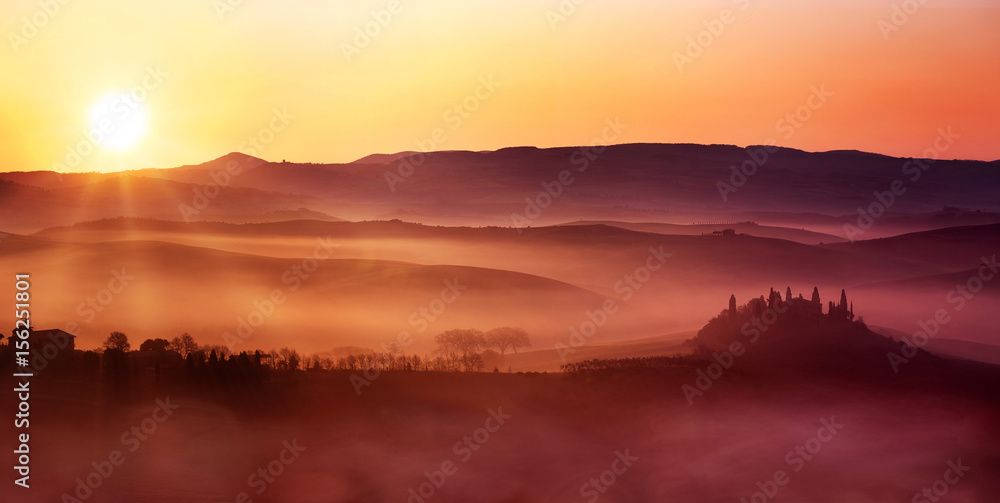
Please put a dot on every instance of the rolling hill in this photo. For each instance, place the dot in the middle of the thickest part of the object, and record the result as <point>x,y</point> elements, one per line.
<point>155,289</point>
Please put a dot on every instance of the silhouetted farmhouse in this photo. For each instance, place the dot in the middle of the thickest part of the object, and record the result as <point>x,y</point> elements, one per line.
<point>61,339</point>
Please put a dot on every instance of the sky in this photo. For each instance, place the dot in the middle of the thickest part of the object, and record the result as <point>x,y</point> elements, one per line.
<point>184,81</point>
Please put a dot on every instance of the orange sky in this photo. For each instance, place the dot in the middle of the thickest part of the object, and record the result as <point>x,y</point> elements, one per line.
<point>224,72</point>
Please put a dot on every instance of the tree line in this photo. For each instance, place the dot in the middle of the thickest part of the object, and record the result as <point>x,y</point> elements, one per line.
<point>457,350</point>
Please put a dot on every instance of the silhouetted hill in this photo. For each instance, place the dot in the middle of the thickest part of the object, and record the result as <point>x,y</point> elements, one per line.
<point>677,183</point>
<point>383,158</point>
<point>967,350</point>
<point>947,249</point>
<point>856,153</point>
<point>693,258</point>
<point>128,195</point>
<point>797,335</point>
<point>223,162</point>
<point>798,235</point>
<point>936,282</point>
<point>775,342</point>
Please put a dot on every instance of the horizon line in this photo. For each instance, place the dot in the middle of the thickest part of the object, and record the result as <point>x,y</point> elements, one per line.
<point>406,153</point>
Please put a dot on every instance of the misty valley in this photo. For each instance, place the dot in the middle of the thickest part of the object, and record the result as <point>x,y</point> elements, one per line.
<point>575,361</point>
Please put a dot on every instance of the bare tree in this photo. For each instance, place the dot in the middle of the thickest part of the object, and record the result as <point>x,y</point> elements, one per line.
<point>507,337</point>
<point>222,351</point>
<point>460,347</point>
<point>473,362</point>
<point>460,341</point>
<point>184,344</point>
<point>289,358</point>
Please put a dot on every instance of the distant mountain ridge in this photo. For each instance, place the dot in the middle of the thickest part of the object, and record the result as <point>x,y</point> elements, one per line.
<point>383,158</point>
<point>639,182</point>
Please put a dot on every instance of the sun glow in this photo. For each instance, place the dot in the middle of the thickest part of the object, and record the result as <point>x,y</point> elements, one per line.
<point>118,121</point>
<point>208,90</point>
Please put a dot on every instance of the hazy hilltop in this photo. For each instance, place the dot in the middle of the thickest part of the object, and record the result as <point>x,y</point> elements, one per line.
<point>678,183</point>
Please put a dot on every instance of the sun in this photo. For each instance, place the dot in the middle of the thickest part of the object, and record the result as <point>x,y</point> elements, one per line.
<point>118,121</point>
